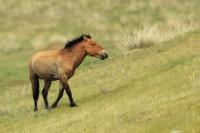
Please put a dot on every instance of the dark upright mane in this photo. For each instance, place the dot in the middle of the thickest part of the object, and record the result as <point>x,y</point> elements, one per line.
<point>77,40</point>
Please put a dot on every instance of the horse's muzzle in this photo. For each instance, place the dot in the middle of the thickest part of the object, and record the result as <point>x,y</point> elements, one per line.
<point>103,55</point>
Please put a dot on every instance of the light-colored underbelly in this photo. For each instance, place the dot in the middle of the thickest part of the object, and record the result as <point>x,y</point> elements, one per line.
<point>45,70</point>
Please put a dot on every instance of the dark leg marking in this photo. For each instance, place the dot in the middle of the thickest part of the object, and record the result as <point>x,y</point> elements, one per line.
<point>45,90</point>
<point>69,93</point>
<point>35,90</point>
<point>60,95</point>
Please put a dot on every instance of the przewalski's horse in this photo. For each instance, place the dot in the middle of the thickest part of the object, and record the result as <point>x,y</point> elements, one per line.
<point>60,65</point>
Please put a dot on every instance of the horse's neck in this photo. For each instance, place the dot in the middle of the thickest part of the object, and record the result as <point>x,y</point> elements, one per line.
<point>78,59</point>
<point>77,56</point>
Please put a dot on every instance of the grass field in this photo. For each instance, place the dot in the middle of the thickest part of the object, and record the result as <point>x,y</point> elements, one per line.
<point>149,84</point>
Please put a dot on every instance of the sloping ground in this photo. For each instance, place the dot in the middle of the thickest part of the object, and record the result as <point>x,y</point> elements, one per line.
<point>153,90</point>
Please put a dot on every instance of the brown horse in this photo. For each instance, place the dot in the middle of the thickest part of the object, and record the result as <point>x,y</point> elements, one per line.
<point>60,65</point>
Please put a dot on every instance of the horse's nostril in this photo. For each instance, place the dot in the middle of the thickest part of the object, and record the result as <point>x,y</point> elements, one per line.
<point>105,55</point>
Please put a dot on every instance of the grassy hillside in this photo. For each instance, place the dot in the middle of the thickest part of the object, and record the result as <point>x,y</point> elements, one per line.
<point>152,89</point>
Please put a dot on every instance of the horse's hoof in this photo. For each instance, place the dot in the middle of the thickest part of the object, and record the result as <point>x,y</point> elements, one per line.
<point>35,109</point>
<point>73,105</point>
<point>53,106</point>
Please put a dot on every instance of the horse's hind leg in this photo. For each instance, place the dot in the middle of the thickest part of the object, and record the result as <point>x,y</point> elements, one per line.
<point>45,90</point>
<point>35,89</point>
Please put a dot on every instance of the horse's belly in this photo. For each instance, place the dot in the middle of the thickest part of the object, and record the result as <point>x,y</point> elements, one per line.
<point>48,76</point>
<point>46,71</point>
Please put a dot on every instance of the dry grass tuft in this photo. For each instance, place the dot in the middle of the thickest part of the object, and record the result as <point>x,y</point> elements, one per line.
<point>147,35</point>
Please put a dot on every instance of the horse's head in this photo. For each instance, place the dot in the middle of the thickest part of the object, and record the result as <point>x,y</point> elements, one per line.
<point>92,48</point>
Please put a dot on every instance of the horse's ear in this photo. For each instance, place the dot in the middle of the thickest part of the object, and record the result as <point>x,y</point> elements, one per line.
<point>85,38</point>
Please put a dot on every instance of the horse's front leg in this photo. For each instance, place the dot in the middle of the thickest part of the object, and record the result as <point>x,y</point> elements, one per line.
<point>60,95</point>
<point>69,93</point>
<point>65,85</point>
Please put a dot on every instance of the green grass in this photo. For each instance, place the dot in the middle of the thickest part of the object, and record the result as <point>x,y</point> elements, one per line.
<point>150,90</point>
